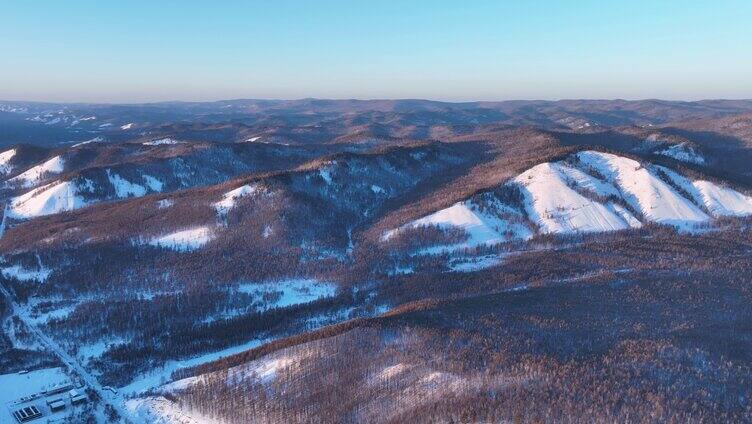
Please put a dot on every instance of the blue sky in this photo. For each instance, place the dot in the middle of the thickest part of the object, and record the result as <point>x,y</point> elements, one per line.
<point>118,51</point>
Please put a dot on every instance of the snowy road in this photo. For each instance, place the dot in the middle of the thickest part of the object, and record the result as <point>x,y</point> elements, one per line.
<point>107,398</point>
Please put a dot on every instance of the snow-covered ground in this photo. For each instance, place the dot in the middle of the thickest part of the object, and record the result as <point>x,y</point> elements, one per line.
<point>644,190</point>
<point>154,184</point>
<point>124,188</point>
<point>230,198</point>
<point>5,157</point>
<point>590,191</point>
<point>93,140</point>
<point>20,273</point>
<point>14,386</point>
<point>162,141</point>
<point>184,240</point>
<point>165,203</point>
<point>475,263</point>
<point>160,410</point>
<point>56,197</point>
<point>293,292</point>
<point>35,174</point>
<point>718,200</point>
<point>161,375</point>
<point>557,208</point>
<point>481,227</point>
<point>683,152</point>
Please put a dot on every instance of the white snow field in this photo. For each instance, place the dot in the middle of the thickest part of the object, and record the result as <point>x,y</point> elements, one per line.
<point>684,153</point>
<point>124,188</point>
<point>160,410</point>
<point>23,274</point>
<point>5,157</point>
<point>162,141</point>
<point>556,208</point>
<point>184,240</point>
<point>34,175</point>
<point>294,292</point>
<point>56,197</point>
<point>481,228</point>
<point>229,199</point>
<point>644,190</point>
<point>14,386</point>
<point>153,183</point>
<point>591,191</point>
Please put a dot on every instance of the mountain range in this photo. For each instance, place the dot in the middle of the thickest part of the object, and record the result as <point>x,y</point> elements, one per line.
<point>382,260</point>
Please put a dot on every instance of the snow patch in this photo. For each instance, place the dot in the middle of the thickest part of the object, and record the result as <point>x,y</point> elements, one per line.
<point>684,153</point>
<point>93,140</point>
<point>556,208</point>
<point>482,228</point>
<point>14,386</point>
<point>292,292</point>
<point>184,240</point>
<point>162,141</point>
<point>229,199</point>
<point>160,410</point>
<point>34,175</point>
<point>22,274</point>
<point>645,191</point>
<point>719,201</point>
<point>326,174</point>
<point>127,126</point>
<point>165,203</point>
<point>56,197</point>
<point>722,201</point>
<point>5,157</point>
<point>153,183</point>
<point>124,188</point>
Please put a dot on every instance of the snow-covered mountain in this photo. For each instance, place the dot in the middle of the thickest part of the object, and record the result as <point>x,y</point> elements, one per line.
<point>587,192</point>
<point>250,261</point>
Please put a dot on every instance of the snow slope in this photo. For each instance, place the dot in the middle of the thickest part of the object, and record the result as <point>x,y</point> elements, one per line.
<point>22,274</point>
<point>124,188</point>
<point>56,197</point>
<point>683,152</point>
<point>722,201</point>
<point>718,200</point>
<point>160,410</point>
<point>481,228</point>
<point>34,175</point>
<point>153,183</point>
<point>161,141</point>
<point>293,292</point>
<point>229,199</point>
<point>556,208</point>
<point>644,190</point>
<point>591,191</point>
<point>5,157</point>
<point>184,240</point>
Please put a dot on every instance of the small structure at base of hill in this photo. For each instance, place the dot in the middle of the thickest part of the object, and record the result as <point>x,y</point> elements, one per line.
<point>27,414</point>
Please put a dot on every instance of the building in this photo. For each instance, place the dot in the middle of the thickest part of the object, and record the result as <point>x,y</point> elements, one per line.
<point>77,398</point>
<point>55,405</point>
<point>62,388</point>
<point>27,414</point>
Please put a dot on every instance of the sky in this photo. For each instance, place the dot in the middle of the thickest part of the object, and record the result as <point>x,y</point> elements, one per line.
<point>138,51</point>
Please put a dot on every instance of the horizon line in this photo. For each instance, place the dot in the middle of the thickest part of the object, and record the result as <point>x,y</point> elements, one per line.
<point>356,99</point>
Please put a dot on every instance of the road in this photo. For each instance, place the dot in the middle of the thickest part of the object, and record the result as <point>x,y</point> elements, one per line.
<point>116,401</point>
